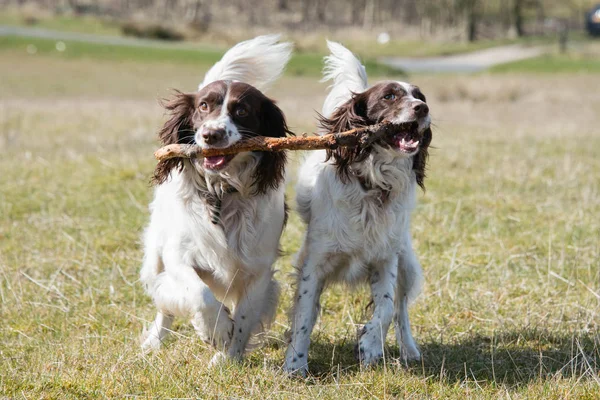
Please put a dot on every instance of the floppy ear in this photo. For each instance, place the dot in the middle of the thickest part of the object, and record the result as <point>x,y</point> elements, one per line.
<point>177,129</point>
<point>350,115</point>
<point>271,168</point>
<point>420,159</point>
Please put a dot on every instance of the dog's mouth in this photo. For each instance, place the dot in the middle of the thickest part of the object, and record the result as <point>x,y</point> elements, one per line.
<point>406,141</point>
<point>405,145</point>
<point>216,163</point>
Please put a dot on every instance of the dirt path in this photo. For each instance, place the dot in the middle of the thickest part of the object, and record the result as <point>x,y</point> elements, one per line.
<point>468,62</point>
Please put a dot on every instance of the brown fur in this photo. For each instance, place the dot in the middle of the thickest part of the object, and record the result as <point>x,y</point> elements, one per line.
<point>264,119</point>
<point>368,108</point>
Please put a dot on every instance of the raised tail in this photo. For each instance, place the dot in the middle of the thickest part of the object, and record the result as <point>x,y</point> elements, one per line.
<point>347,73</point>
<point>257,62</point>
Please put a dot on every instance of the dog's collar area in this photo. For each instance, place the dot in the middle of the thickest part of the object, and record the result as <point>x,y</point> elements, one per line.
<point>384,194</point>
<point>215,203</point>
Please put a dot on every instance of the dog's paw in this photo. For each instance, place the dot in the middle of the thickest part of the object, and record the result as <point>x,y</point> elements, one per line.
<point>410,352</point>
<point>150,340</point>
<point>369,349</point>
<point>296,370</point>
<point>216,330</point>
<point>217,360</point>
<point>296,364</point>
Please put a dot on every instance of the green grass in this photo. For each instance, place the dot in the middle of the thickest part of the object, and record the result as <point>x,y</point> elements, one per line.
<point>508,234</point>
<point>416,48</point>
<point>314,42</point>
<point>65,23</point>
<point>553,63</point>
<point>301,64</point>
<point>582,56</point>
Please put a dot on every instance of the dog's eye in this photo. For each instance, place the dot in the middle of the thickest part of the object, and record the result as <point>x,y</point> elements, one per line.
<point>241,112</point>
<point>203,106</point>
<point>390,96</point>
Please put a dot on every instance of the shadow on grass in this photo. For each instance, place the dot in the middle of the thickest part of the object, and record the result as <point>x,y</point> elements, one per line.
<point>513,358</point>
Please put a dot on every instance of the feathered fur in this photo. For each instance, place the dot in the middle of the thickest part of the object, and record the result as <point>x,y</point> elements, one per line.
<point>216,222</point>
<point>357,205</point>
<point>258,62</point>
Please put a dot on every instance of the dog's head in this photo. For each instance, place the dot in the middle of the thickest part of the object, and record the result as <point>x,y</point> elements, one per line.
<point>219,115</point>
<point>396,102</point>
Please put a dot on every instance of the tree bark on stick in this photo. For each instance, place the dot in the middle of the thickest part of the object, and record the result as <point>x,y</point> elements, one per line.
<point>355,137</point>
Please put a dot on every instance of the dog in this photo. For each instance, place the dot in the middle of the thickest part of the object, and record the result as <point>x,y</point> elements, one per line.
<point>216,222</point>
<point>357,205</point>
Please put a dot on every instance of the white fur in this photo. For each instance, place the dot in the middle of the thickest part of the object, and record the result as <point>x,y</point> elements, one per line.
<point>192,267</point>
<point>347,73</point>
<point>258,62</point>
<point>353,237</point>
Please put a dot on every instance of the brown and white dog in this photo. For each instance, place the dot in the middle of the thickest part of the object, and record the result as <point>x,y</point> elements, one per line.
<point>357,204</point>
<point>216,221</point>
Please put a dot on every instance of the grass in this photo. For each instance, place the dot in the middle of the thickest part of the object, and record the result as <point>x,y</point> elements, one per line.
<point>581,57</point>
<point>508,234</point>
<point>301,64</point>
<point>307,42</point>
<point>65,23</point>
<point>553,63</point>
<point>367,47</point>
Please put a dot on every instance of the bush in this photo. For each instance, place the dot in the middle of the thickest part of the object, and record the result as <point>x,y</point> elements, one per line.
<point>151,31</point>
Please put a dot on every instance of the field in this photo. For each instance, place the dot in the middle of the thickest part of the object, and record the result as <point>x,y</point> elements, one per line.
<point>508,233</point>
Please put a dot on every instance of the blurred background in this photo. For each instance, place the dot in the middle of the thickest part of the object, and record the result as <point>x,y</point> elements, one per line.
<point>508,231</point>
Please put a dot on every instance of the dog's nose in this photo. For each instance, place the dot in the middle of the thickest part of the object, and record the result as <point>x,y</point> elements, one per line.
<point>421,109</point>
<point>213,136</point>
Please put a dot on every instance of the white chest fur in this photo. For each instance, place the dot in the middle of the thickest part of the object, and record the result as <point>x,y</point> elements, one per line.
<point>349,220</point>
<point>244,242</point>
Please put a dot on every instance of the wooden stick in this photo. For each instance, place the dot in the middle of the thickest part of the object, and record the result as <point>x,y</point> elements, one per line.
<point>352,138</point>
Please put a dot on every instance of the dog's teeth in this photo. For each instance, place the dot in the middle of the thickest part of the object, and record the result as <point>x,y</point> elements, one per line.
<point>416,143</point>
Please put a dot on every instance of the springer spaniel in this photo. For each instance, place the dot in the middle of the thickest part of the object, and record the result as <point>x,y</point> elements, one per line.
<point>216,222</point>
<point>357,204</point>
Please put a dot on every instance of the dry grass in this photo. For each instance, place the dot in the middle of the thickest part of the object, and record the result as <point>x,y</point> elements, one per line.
<point>508,233</point>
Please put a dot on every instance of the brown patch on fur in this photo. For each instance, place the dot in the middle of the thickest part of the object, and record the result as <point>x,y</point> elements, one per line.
<point>270,172</point>
<point>177,129</point>
<point>420,159</point>
<point>347,116</point>
<point>262,118</point>
<point>368,108</point>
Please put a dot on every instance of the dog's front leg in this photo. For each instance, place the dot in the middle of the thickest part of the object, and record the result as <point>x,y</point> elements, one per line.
<point>257,305</point>
<point>306,308</point>
<point>372,336</point>
<point>409,284</point>
<point>157,331</point>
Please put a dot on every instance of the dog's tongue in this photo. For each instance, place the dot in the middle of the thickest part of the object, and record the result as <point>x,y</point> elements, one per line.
<point>215,162</point>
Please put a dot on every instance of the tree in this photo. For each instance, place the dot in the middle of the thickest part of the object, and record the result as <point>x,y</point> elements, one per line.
<point>518,17</point>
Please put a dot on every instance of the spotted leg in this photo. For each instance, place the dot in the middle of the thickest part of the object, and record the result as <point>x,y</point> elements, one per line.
<point>372,336</point>
<point>408,287</point>
<point>253,312</point>
<point>304,315</point>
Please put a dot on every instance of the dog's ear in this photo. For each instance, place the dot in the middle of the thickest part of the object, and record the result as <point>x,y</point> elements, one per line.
<point>350,115</point>
<point>271,168</point>
<point>177,129</point>
<point>420,159</point>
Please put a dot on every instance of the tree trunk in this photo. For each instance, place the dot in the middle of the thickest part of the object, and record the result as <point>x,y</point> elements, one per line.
<point>356,7</point>
<point>321,15</point>
<point>306,11</point>
<point>518,17</point>
<point>369,14</point>
<point>472,19</point>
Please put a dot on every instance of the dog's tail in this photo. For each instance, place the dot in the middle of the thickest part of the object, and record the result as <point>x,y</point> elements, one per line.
<point>347,73</point>
<point>258,62</point>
